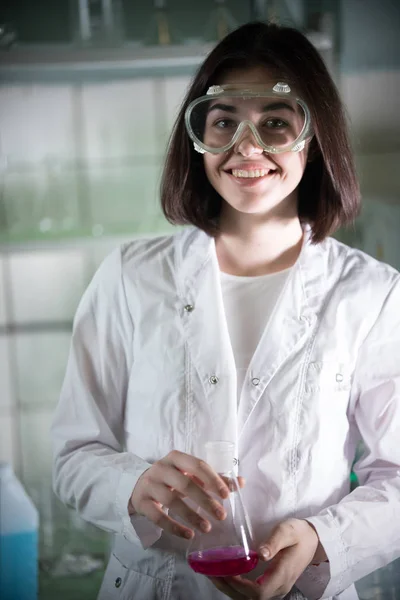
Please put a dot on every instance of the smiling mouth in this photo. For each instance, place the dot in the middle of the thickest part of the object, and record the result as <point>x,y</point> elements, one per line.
<point>250,174</point>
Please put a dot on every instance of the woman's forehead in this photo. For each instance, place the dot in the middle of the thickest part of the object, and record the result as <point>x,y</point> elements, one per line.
<point>254,76</point>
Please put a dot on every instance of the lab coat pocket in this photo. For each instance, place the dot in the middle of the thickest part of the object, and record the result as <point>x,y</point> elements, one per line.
<point>115,579</point>
<point>136,573</point>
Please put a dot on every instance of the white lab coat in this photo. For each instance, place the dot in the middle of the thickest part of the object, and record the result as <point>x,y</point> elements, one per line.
<point>150,338</point>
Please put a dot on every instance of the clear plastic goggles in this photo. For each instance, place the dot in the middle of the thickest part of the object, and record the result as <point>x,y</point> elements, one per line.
<point>277,118</point>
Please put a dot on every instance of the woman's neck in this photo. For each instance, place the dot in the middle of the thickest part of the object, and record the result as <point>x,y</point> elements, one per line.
<point>246,247</point>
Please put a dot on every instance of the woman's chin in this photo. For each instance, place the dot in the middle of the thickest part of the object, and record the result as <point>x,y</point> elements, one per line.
<point>253,206</point>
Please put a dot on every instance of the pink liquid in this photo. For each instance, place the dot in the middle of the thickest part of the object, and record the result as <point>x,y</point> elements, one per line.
<point>223,562</point>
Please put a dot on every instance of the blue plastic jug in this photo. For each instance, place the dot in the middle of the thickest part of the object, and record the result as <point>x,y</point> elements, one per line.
<point>18,539</point>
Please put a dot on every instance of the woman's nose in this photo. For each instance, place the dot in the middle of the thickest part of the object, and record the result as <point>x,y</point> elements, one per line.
<point>247,145</point>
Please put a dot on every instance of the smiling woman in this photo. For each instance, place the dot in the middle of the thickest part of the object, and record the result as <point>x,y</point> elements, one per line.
<point>275,327</point>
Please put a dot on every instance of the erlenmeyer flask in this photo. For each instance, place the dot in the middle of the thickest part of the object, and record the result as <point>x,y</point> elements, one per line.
<point>228,549</point>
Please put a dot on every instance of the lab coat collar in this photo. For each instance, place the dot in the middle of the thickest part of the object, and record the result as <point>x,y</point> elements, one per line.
<point>199,289</point>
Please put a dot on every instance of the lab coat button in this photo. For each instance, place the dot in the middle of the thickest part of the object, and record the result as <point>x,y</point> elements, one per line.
<point>118,582</point>
<point>189,308</point>
<point>255,381</point>
<point>213,379</point>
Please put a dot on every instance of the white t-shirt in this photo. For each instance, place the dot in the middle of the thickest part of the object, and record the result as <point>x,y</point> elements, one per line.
<point>249,303</point>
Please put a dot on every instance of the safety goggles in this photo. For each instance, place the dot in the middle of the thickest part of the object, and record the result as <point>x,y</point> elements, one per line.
<point>277,118</point>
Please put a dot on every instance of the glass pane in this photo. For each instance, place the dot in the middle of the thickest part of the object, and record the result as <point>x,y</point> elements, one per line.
<point>3,316</point>
<point>120,120</point>
<point>8,449</point>
<point>41,202</point>
<point>58,279</point>
<point>6,398</point>
<point>124,199</point>
<point>41,363</point>
<point>26,112</point>
<point>175,90</point>
<point>68,545</point>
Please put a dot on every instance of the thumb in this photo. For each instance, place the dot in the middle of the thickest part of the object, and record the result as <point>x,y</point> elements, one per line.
<point>282,536</point>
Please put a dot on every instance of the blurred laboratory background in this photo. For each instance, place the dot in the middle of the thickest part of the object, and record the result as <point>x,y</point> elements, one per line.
<point>88,94</point>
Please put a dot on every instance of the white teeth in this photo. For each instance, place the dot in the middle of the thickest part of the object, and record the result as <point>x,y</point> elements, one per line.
<point>254,173</point>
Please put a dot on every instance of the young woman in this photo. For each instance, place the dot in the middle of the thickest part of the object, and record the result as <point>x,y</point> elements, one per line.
<point>252,325</point>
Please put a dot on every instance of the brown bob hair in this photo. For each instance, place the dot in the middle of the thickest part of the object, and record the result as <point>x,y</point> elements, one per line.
<point>328,193</point>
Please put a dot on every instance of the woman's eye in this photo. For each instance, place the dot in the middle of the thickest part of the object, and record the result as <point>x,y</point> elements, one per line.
<point>276,123</point>
<point>224,123</point>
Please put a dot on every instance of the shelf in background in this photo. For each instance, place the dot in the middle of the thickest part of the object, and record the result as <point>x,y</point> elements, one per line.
<point>66,62</point>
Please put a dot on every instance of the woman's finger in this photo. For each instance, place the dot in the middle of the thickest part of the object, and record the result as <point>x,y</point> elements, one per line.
<point>154,512</point>
<point>232,487</point>
<point>200,469</point>
<point>279,580</point>
<point>196,480</point>
<point>245,587</point>
<point>174,479</point>
<point>171,499</point>
<point>284,535</point>
<point>242,481</point>
<point>223,586</point>
<point>179,508</point>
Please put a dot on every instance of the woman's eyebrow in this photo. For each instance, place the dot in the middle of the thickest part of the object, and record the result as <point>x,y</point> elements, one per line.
<point>278,106</point>
<point>271,106</point>
<point>225,107</point>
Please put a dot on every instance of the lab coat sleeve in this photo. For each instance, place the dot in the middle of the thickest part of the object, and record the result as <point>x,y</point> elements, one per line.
<point>91,471</point>
<point>362,532</point>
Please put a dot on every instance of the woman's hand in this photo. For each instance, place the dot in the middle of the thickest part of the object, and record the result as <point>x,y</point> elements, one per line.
<point>167,482</point>
<point>291,547</point>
